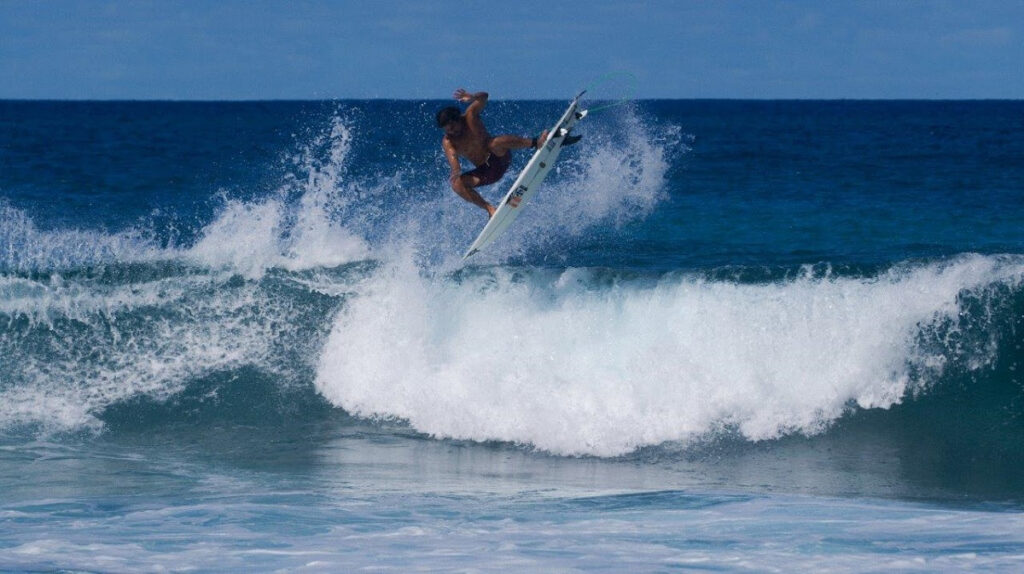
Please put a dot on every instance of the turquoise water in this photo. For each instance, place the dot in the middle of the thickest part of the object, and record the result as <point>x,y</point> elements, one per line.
<point>728,335</point>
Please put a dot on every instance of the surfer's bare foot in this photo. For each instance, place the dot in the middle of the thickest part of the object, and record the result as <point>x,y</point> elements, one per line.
<point>490,210</point>
<point>541,139</point>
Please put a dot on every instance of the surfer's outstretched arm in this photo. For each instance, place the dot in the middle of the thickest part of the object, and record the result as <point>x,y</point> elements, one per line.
<point>478,101</point>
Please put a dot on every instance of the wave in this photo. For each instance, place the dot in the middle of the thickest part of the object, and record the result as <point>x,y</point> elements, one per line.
<point>583,363</point>
<point>573,362</point>
<point>339,291</point>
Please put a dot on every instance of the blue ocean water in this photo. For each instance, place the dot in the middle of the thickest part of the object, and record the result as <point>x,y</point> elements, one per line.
<point>729,335</point>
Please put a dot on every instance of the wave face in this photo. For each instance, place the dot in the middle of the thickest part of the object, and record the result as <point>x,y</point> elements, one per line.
<point>630,309</point>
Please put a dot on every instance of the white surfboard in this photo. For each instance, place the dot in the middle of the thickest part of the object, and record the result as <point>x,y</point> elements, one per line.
<point>529,179</point>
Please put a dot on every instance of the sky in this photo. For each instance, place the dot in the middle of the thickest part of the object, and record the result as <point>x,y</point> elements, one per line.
<point>514,49</point>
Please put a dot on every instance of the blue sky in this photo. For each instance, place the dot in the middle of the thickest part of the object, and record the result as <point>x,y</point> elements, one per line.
<point>422,49</point>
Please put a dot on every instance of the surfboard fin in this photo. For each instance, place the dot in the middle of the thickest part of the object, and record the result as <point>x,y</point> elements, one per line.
<point>569,140</point>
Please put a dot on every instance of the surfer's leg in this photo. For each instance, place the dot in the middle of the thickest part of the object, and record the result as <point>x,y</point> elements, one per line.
<point>464,186</point>
<point>500,145</point>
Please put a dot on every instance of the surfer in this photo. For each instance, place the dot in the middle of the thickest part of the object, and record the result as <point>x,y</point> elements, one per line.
<point>466,136</point>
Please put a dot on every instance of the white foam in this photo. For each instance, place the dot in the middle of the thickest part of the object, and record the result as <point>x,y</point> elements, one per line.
<point>25,247</point>
<point>576,370</point>
<point>244,236</point>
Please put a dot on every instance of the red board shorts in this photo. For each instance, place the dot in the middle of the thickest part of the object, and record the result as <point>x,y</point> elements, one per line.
<point>492,169</point>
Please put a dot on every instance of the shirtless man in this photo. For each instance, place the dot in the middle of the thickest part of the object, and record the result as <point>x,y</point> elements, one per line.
<point>466,136</point>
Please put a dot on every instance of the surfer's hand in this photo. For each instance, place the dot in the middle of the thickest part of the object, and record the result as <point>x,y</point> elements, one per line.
<point>462,95</point>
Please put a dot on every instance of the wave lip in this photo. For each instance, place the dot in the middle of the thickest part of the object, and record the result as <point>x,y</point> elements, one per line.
<point>576,369</point>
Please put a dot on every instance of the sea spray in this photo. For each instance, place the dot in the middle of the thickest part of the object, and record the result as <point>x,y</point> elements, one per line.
<point>297,227</point>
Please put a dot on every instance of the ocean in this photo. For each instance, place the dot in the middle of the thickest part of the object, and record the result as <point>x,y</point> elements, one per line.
<point>726,335</point>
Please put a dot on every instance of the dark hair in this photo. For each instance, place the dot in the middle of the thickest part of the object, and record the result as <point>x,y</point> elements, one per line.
<point>447,116</point>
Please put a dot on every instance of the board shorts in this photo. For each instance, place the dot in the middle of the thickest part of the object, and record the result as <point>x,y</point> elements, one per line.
<point>492,169</point>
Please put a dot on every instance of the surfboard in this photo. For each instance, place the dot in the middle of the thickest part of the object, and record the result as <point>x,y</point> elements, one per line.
<point>529,180</point>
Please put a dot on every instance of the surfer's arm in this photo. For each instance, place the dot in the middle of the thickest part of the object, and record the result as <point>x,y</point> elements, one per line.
<point>453,159</point>
<point>478,99</point>
<point>478,102</point>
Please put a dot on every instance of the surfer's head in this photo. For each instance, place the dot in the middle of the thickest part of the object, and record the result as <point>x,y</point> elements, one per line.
<point>450,120</point>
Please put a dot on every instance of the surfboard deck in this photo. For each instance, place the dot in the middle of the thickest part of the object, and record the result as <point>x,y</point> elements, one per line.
<point>530,178</point>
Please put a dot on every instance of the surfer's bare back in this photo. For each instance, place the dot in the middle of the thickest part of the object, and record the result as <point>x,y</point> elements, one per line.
<point>466,136</point>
